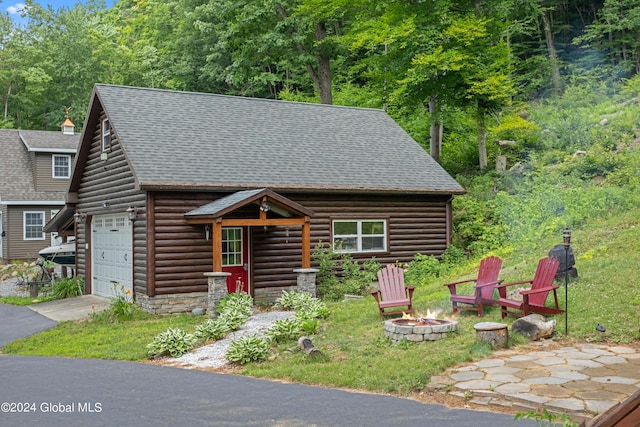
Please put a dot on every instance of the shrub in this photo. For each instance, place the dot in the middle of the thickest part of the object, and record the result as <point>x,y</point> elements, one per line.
<point>303,302</point>
<point>422,270</point>
<point>339,274</point>
<point>248,349</point>
<point>67,288</point>
<point>174,342</point>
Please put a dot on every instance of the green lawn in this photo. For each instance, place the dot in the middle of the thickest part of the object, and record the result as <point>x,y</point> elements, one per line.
<point>360,357</point>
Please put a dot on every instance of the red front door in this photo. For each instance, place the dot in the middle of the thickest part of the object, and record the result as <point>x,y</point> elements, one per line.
<point>235,258</point>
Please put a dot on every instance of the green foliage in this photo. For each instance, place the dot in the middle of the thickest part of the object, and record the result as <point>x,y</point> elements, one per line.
<point>248,349</point>
<point>546,418</point>
<point>339,274</point>
<point>174,342</point>
<point>284,330</point>
<point>214,329</point>
<point>121,307</point>
<point>239,302</point>
<point>422,269</point>
<point>68,287</point>
<point>303,302</point>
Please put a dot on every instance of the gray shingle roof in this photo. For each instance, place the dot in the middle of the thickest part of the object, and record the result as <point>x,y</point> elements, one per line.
<point>16,174</point>
<point>195,140</point>
<point>52,142</point>
<point>224,202</point>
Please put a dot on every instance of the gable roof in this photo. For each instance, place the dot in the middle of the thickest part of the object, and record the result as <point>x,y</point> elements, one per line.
<point>16,178</point>
<point>229,203</point>
<point>197,141</point>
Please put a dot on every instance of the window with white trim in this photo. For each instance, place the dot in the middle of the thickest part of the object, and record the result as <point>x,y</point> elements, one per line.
<point>32,225</point>
<point>105,132</point>
<point>359,235</point>
<point>60,166</point>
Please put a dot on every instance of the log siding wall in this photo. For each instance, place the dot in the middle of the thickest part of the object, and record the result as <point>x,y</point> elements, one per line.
<point>416,224</point>
<point>107,187</point>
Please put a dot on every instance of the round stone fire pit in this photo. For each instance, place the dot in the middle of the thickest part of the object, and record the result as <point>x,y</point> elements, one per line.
<point>417,330</point>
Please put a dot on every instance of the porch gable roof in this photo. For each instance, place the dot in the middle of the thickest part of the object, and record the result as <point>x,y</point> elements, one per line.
<point>262,196</point>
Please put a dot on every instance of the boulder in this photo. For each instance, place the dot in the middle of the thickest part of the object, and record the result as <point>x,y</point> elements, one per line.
<point>534,326</point>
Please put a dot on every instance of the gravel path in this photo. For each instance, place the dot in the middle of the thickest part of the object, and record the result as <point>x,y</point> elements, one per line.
<point>213,355</point>
<point>10,289</point>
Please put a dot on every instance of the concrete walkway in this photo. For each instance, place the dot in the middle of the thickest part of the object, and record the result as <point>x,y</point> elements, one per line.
<point>581,380</point>
<point>70,308</point>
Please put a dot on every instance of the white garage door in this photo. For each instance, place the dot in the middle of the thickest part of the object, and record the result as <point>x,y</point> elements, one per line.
<point>112,254</point>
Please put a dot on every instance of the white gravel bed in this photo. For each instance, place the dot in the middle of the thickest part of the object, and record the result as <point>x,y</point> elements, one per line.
<point>9,288</point>
<point>213,355</point>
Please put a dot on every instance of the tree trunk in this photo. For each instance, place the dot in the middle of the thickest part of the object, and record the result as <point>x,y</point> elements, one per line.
<point>482,138</point>
<point>553,56</point>
<point>324,69</point>
<point>322,76</point>
<point>435,130</point>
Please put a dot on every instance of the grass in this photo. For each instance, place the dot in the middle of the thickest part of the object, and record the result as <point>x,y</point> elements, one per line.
<point>100,337</point>
<point>358,356</point>
<point>22,301</point>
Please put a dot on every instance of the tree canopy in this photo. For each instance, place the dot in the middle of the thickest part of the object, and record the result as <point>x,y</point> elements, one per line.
<point>444,69</point>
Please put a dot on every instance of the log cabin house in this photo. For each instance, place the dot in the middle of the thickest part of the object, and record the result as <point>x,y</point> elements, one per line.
<point>169,186</point>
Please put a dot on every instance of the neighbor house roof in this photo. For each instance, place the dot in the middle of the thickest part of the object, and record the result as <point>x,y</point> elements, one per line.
<point>50,142</point>
<point>186,140</point>
<point>16,176</point>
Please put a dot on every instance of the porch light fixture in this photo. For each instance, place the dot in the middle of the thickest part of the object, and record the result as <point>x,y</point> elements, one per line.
<point>79,217</point>
<point>133,213</point>
<point>566,241</point>
<point>265,207</point>
<point>207,232</point>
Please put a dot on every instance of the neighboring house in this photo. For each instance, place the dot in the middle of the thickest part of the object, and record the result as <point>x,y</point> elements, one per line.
<point>35,170</point>
<point>246,186</point>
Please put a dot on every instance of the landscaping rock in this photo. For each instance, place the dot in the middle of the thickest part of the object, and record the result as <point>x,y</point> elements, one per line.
<point>534,326</point>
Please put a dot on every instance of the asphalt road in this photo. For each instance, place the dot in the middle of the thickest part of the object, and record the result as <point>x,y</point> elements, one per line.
<point>45,391</point>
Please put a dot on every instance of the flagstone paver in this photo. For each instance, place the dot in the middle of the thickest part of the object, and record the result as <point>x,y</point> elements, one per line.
<point>581,380</point>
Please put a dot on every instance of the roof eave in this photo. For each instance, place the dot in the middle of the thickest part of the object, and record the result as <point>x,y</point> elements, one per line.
<point>203,187</point>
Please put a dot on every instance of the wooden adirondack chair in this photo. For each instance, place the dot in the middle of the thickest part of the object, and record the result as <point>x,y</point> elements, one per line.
<point>483,293</point>
<point>534,299</point>
<point>393,292</point>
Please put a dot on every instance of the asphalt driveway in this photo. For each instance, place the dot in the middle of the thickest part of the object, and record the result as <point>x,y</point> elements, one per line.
<point>81,392</point>
<point>46,391</point>
<point>18,322</point>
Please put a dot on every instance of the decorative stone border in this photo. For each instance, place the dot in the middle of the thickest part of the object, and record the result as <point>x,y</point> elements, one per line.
<point>418,333</point>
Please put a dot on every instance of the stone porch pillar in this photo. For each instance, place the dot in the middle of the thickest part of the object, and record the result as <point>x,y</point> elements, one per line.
<point>217,290</point>
<point>307,280</point>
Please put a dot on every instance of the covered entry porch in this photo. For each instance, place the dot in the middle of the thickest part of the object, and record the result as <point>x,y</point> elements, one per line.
<point>228,223</point>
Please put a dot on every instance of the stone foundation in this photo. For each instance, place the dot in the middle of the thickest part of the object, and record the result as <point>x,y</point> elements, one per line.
<point>172,303</point>
<point>267,296</point>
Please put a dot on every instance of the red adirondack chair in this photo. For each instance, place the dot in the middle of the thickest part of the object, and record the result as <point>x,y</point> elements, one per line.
<point>534,299</point>
<point>483,293</point>
<point>393,293</point>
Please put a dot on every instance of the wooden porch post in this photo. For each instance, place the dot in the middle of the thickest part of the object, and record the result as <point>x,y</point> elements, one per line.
<point>306,243</point>
<point>217,245</point>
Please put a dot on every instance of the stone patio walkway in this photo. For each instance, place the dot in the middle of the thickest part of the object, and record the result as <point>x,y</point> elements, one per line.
<point>581,381</point>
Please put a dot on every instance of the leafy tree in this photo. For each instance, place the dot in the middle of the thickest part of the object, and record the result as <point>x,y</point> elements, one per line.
<point>261,47</point>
